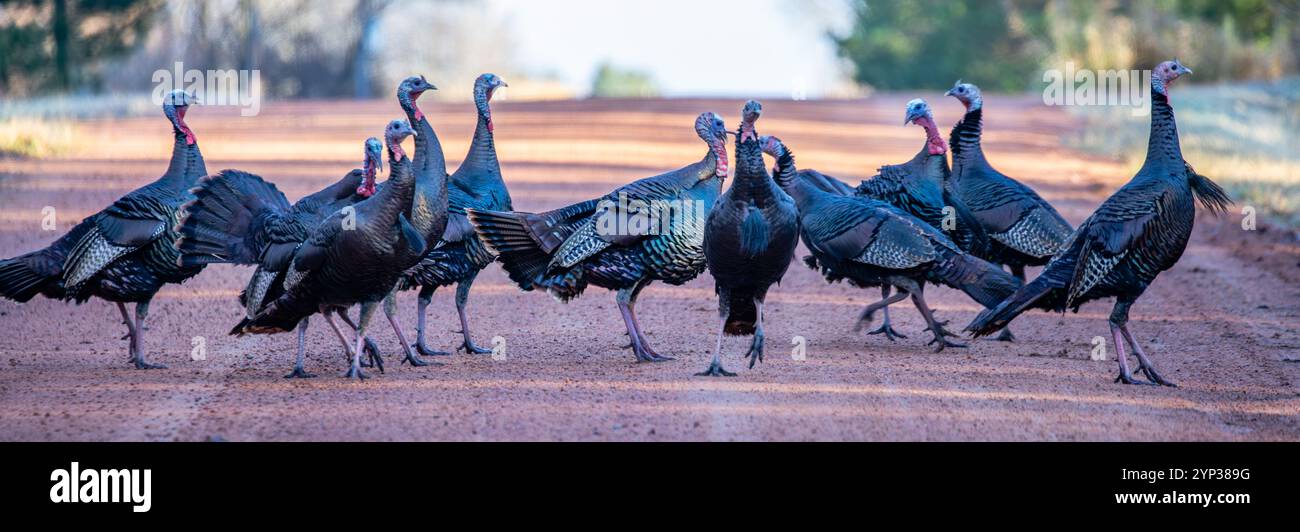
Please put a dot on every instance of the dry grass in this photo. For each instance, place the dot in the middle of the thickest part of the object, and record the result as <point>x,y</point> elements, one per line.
<point>28,137</point>
<point>1242,136</point>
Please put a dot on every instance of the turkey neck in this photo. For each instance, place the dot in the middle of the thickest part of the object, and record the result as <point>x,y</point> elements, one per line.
<point>1163,150</point>
<point>428,150</point>
<point>786,177</point>
<point>482,156</point>
<point>180,162</point>
<point>965,137</point>
<point>186,166</point>
<point>393,198</point>
<point>429,210</point>
<point>751,179</point>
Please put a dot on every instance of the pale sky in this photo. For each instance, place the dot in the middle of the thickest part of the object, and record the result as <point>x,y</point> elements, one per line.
<point>690,47</point>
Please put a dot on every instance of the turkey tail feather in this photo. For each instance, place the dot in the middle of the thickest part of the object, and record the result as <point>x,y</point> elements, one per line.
<point>222,223</point>
<point>20,282</point>
<point>506,234</point>
<point>995,318</point>
<point>1208,193</point>
<point>982,281</point>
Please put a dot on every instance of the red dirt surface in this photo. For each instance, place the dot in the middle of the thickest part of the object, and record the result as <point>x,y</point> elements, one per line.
<point>1222,324</point>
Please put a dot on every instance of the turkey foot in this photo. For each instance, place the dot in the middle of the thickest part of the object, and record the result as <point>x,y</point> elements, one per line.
<point>141,364</point>
<point>299,373</point>
<point>715,370</point>
<point>755,353</point>
<point>416,361</point>
<point>373,357</point>
<point>644,354</point>
<point>715,366</point>
<point>1144,363</point>
<point>1128,379</point>
<point>1006,336</point>
<point>888,331</point>
<point>1155,377</point>
<point>867,314</point>
<point>427,351</point>
<point>1122,357</point>
<point>470,348</point>
<point>943,342</point>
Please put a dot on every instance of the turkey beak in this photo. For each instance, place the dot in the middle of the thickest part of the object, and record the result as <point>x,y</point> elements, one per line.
<point>949,93</point>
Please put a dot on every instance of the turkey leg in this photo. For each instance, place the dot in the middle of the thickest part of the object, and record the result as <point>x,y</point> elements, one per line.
<point>462,297</point>
<point>715,367</point>
<point>885,327</point>
<point>1144,363</point>
<point>298,371</point>
<point>626,300</point>
<point>755,353</point>
<point>363,320</point>
<point>422,306</point>
<point>338,332</point>
<point>940,334</point>
<point>372,349</point>
<point>867,314</point>
<point>1118,328</point>
<point>390,312</point>
<point>130,332</point>
<point>141,312</point>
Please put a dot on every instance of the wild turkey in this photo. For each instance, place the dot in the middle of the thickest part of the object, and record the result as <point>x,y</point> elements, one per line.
<point>651,229</point>
<point>460,255</point>
<point>918,187</point>
<point>123,253</point>
<point>1023,229</point>
<point>239,218</point>
<point>429,212</point>
<point>354,256</point>
<point>749,240</point>
<point>872,243</point>
<point>1140,231</point>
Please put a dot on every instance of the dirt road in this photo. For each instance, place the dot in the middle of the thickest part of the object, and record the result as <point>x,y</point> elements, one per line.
<point>1224,323</point>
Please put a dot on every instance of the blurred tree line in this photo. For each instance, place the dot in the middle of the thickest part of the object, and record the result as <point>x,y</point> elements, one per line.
<point>1006,44</point>
<point>305,48</point>
<point>54,44</point>
<point>615,82</point>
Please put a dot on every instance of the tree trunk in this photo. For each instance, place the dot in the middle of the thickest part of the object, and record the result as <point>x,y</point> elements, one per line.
<point>62,74</point>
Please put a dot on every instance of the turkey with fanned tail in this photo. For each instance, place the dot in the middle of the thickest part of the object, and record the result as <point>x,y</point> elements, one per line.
<point>648,230</point>
<point>354,256</point>
<point>239,218</point>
